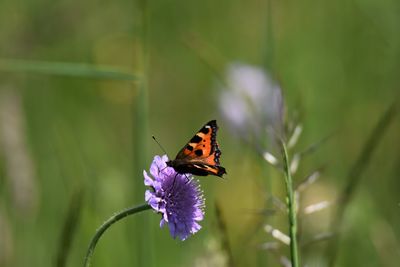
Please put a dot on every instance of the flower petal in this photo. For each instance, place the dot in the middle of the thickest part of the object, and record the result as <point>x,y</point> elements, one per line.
<point>148,194</point>
<point>162,223</point>
<point>154,168</point>
<point>171,226</point>
<point>147,180</point>
<point>154,204</point>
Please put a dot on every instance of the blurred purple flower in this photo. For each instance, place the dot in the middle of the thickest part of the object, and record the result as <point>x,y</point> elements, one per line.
<point>176,196</point>
<point>252,103</point>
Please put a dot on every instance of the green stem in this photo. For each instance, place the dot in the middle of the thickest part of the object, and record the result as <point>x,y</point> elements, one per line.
<point>291,208</point>
<point>113,219</point>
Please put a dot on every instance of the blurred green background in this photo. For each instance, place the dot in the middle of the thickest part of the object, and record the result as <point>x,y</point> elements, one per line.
<point>73,145</point>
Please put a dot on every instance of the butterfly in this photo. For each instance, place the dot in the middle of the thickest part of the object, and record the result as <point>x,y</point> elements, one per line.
<point>200,156</point>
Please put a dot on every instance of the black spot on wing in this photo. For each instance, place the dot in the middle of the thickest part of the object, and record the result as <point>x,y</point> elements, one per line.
<point>189,147</point>
<point>198,152</point>
<point>195,139</point>
<point>205,130</point>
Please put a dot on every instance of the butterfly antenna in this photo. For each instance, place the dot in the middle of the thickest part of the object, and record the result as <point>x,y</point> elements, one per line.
<point>160,145</point>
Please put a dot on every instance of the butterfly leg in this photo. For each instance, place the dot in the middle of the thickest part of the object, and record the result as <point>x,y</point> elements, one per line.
<point>173,183</point>
<point>187,179</point>
<point>163,168</point>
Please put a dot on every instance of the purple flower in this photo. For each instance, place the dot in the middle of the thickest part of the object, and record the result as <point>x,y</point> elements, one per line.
<point>252,103</point>
<point>176,196</point>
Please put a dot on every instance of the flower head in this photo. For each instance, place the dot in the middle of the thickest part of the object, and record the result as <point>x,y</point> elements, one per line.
<point>252,101</point>
<point>176,196</point>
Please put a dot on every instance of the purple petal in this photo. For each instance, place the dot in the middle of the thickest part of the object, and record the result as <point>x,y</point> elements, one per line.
<point>160,162</point>
<point>154,170</point>
<point>198,215</point>
<point>148,194</point>
<point>165,217</point>
<point>162,223</point>
<point>147,180</point>
<point>164,159</point>
<point>172,229</point>
<point>158,186</point>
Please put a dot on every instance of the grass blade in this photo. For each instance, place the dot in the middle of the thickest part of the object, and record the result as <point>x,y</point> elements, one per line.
<point>66,69</point>
<point>224,234</point>
<point>145,249</point>
<point>354,177</point>
<point>69,228</point>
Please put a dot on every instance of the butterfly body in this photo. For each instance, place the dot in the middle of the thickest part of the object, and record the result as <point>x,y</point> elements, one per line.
<point>200,156</point>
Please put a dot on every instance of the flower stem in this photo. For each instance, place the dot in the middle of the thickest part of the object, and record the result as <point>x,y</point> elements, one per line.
<point>291,208</point>
<point>113,219</point>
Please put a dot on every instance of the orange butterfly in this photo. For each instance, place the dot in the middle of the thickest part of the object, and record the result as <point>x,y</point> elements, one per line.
<point>200,156</point>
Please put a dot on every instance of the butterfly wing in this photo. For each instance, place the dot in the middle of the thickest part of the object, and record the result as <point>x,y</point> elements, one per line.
<point>202,144</point>
<point>200,156</point>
